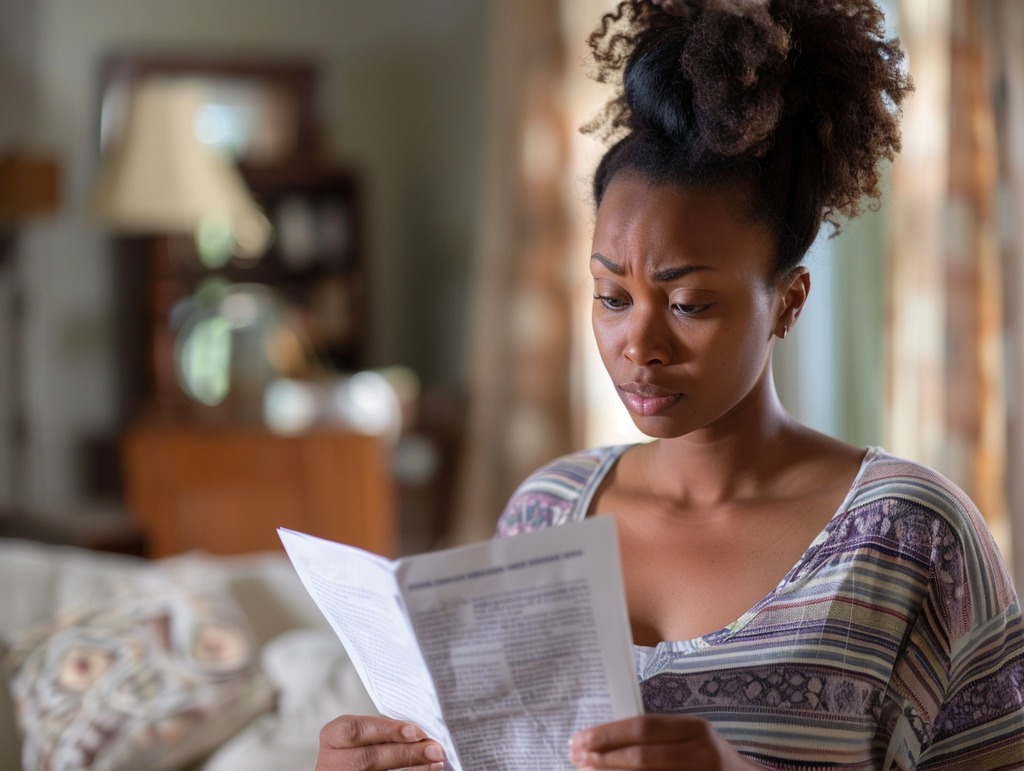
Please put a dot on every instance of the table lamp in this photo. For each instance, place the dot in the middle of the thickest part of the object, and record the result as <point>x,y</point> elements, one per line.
<point>158,178</point>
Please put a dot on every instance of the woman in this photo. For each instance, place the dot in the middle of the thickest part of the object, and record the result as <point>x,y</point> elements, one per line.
<point>796,602</point>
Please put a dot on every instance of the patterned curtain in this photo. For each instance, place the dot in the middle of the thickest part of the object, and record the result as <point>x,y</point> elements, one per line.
<point>519,363</point>
<point>948,251</point>
<point>1006,24</point>
<point>915,420</point>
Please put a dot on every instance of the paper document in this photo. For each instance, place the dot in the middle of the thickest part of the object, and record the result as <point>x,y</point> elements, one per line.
<point>501,650</point>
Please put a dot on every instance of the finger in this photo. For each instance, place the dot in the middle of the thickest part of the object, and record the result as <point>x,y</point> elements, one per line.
<point>425,755</point>
<point>350,731</point>
<point>645,729</point>
<point>649,757</point>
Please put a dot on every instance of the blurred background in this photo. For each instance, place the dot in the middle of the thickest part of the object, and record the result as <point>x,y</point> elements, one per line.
<point>323,264</point>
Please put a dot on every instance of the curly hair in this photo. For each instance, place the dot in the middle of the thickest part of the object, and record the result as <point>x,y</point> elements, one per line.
<point>799,100</point>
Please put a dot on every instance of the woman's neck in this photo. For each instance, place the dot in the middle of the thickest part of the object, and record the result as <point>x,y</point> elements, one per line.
<point>740,456</point>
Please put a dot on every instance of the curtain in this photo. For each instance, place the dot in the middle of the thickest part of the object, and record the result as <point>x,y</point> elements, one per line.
<point>949,253</point>
<point>1006,25</point>
<point>519,413</point>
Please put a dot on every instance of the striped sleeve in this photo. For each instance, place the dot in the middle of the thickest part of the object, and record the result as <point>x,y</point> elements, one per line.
<point>967,647</point>
<point>981,723</point>
<point>550,495</point>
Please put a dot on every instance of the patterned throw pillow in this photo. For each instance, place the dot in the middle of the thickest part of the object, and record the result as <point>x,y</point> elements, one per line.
<point>152,677</point>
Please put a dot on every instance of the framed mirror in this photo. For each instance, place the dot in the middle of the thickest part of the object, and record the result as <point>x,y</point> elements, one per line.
<point>260,112</point>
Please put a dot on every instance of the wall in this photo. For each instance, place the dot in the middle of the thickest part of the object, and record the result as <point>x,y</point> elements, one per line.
<point>400,97</point>
<point>17,45</point>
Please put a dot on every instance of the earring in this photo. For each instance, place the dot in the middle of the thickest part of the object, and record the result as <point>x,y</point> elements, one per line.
<point>785,331</point>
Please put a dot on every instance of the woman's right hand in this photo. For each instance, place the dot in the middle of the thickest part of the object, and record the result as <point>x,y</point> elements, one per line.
<point>363,743</point>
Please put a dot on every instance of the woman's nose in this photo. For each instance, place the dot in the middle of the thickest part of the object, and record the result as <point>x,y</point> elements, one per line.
<point>647,339</point>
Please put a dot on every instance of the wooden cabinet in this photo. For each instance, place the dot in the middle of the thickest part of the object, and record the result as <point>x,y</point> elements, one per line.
<point>227,490</point>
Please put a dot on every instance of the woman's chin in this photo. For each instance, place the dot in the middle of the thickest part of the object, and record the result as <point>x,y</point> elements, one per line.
<point>658,426</point>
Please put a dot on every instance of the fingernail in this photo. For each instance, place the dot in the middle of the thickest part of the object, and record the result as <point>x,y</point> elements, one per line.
<point>437,767</point>
<point>583,758</point>
<point>434,752</point>
<point>412,733</point>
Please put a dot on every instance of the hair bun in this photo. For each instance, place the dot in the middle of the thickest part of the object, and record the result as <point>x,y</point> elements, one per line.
<point>737,59</point>
<point>719,70</point>
<point>657,91</point>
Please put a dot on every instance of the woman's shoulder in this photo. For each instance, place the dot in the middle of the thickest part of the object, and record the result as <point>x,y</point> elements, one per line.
<point>558,491</point>
<point>926,518</point>
<point>893,475</point>
<point>887,477</point>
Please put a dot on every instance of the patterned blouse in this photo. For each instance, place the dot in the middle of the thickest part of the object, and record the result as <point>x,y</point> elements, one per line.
<point>896,642</point>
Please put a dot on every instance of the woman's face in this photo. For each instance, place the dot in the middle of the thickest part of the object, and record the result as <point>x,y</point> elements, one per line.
<point>684,308</point>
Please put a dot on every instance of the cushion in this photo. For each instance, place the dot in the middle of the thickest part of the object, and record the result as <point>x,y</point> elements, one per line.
<point>315,682</point>
<point>155,676</point>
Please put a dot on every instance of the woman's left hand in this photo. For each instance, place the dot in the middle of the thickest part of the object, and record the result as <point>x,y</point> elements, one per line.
<point>662,742</point>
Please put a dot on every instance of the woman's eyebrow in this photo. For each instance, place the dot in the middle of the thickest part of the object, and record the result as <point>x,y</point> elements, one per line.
<point>613,267</point>
<point>669,274</point>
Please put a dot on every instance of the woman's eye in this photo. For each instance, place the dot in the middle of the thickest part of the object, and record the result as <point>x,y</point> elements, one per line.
<point>611,303</point>
<point>689,310</point>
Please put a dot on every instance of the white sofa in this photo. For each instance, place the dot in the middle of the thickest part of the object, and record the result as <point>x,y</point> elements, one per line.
<point>299,656</point>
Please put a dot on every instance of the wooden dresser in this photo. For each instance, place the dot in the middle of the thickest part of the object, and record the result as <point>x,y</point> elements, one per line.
<point>226,490</point>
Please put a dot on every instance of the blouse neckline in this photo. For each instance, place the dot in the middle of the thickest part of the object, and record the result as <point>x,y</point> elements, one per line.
<point>613,455</point>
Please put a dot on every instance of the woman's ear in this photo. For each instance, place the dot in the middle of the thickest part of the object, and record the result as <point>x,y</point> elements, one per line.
<point>795,288</point>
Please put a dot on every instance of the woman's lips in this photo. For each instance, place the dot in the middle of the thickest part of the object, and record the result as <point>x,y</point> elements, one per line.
<point>647,400</point>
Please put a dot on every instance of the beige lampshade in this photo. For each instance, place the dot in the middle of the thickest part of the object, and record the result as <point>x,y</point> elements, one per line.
<point>159,178</point>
